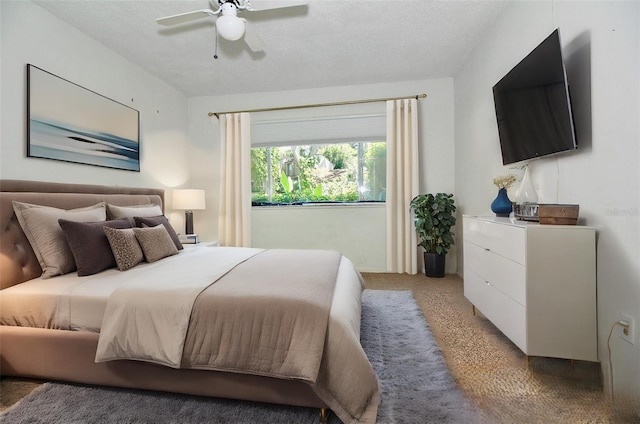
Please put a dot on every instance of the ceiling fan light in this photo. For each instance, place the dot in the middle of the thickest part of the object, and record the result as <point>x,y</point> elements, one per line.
<point>230,27</point>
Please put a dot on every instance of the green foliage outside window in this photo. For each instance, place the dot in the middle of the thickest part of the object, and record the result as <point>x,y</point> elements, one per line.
<point>345,172</point>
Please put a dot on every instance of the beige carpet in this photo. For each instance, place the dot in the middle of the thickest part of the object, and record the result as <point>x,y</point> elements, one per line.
<point>492,370</point>
<point>486,365</point>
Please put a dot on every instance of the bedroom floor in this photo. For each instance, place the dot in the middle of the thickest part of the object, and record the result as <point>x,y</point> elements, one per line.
<point>486,365</point>
<point>493,371</point>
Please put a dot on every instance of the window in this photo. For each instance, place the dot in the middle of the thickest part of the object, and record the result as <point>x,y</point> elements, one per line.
<point>336,172</point>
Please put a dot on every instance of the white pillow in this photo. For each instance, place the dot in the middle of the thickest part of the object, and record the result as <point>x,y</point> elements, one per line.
<point>40,225</point>
<point>118,212</point>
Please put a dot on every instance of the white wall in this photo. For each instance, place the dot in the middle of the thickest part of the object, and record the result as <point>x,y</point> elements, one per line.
<point>436,157</point>
<point>601,42</point>
<point>30,34</point>
<point>357,231</point>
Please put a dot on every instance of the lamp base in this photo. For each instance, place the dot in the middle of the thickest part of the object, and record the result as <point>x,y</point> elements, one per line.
<point>188,226</point>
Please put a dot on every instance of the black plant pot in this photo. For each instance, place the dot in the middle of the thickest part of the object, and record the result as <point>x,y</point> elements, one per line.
<point>434,265</point>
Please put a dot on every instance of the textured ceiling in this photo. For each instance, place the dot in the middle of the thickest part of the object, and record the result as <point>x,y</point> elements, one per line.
<point>325,43</point>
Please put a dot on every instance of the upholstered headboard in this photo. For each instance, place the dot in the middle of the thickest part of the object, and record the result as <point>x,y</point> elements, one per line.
<point>18,262</point>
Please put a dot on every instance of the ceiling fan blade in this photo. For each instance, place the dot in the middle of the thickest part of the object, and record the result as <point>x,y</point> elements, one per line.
<point>275,4</point>
<point>185,17</point>
<point>252,39</point>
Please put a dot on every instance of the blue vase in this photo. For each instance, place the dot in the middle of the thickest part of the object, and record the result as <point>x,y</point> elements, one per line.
<point>501,205</point>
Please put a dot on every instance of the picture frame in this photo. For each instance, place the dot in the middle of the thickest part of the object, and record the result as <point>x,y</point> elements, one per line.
<point>69,123</point>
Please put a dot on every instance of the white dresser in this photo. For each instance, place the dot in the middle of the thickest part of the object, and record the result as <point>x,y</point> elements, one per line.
<point>536,283</point>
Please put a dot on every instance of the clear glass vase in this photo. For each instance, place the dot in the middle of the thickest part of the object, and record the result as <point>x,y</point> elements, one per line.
<point>526,193</point>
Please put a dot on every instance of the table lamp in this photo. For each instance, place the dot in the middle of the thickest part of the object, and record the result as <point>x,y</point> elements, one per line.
<point>189,200</point>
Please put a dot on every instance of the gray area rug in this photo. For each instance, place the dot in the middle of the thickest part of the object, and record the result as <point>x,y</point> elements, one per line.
<point>416,385</point>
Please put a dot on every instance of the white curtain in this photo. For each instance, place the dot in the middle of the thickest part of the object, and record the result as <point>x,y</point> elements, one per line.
<point>234,222</point>
<point>402,185</point>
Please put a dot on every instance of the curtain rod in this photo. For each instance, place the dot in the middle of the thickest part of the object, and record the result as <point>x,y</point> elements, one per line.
<point>351,102</point>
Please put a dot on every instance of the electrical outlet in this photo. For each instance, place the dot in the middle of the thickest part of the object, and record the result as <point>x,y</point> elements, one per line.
<point>628,334</point>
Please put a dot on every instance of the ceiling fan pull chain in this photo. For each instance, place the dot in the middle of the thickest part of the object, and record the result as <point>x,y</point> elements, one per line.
<point>215,53</point>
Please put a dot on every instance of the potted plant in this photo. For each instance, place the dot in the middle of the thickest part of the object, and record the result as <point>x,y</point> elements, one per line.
<point>434,217</point>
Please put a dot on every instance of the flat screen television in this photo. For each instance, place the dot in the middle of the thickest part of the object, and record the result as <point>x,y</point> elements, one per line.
<point>533,107</point>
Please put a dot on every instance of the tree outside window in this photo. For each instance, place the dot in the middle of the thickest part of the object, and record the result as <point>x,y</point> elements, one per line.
<point>336,172</point>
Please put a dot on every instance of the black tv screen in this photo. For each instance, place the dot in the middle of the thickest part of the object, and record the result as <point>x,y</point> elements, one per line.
<point>533,107</point>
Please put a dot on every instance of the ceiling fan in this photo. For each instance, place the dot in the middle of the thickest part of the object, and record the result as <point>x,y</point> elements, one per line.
<point>228,25</point>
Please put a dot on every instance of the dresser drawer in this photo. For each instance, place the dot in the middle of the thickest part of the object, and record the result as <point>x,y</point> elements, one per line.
<point>536,283</point>
<point>504,274</point>
<point>506,240</point>
<point>506,314</point>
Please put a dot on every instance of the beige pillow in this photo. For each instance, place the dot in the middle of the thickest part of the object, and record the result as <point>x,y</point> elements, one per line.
<point>125,247</point>
<point>118,212</point>
<point>40,225</point>
<point>156,242</point>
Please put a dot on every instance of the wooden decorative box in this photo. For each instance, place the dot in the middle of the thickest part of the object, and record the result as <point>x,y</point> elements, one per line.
<point>554,214</point>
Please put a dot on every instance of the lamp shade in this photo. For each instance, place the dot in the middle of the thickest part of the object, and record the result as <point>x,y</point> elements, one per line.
<point>188,199</point>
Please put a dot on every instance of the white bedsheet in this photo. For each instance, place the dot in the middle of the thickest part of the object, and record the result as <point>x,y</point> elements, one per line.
<point>69,302</point>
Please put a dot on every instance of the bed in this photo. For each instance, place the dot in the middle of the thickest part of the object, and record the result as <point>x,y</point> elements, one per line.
<point>302,351</point>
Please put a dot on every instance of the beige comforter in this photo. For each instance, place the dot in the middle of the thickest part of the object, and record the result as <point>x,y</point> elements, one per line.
<point>147,319</point>
<point>268,314</point>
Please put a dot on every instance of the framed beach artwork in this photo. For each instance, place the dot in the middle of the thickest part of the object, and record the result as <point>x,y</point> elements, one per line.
<point>70,123</point>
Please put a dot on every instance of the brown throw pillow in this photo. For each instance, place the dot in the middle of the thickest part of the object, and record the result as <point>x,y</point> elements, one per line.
<point>142,222</point>
<point>125,247</point>
<point>89,244</point>
<point>156,242</point>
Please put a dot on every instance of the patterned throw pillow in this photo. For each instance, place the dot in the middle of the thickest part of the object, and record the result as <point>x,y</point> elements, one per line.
<point>125,247</point>
<point>156,242</point>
